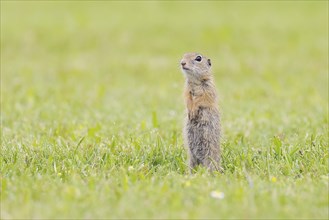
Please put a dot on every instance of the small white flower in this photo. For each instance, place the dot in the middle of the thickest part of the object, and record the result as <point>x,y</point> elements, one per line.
<point>217,195</point>
<point>130,168</point>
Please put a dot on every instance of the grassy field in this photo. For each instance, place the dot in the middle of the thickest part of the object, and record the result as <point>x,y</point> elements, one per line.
<point>92,109</point>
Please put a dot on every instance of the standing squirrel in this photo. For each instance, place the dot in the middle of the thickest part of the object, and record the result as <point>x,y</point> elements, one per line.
<point>202,124</point>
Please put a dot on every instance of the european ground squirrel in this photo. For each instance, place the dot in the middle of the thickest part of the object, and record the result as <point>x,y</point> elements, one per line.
<point>202,123</point>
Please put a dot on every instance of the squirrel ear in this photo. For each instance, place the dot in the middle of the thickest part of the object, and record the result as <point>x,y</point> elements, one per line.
<point>209,62</point>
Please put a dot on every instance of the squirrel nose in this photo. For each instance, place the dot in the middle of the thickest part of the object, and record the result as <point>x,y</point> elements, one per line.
<point>183,63</point>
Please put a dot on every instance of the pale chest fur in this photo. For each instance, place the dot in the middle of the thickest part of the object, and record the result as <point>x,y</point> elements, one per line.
<point>202,95</point>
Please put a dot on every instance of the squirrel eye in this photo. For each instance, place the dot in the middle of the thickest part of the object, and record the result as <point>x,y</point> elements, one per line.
<point>198,58</point>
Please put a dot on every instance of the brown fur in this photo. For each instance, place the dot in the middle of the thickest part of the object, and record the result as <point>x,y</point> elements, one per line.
<point>202,124</point>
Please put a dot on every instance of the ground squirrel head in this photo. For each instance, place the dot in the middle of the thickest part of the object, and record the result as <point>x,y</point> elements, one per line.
<point>195,66</point>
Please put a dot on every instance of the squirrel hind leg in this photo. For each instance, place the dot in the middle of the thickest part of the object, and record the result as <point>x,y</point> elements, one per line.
<point>213,165</point>
<point>193,162</point>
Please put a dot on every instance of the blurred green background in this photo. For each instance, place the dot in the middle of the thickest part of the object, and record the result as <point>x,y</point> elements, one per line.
<point>92,111</point>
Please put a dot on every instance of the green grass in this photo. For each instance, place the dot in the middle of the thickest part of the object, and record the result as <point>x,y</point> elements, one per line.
<point>92,111</point>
